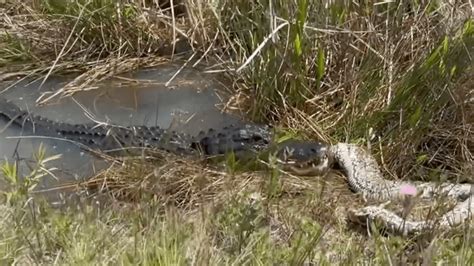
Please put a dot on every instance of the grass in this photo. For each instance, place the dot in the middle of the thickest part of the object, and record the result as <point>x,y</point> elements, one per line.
<point>393,76</point>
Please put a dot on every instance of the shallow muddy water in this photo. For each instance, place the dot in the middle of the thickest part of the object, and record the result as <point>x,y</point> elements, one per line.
<point>189,103</point>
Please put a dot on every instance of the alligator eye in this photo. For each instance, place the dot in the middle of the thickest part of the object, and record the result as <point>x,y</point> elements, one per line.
<point>257,138</point>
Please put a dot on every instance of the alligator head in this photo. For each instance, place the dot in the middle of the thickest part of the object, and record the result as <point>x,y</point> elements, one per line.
<point>304,157</point>
<point>296,156</point>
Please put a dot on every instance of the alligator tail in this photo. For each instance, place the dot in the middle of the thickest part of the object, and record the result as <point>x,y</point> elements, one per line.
<point>11,112</point>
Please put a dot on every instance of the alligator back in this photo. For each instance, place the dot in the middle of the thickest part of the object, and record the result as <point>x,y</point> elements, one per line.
<point>107,138</point>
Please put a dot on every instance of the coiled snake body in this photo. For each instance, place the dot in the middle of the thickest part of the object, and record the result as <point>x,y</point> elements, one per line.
<point>298,157</point>
<point>364,176</point>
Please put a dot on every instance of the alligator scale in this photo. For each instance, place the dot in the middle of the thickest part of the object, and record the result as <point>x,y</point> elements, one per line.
<point>299,157</point>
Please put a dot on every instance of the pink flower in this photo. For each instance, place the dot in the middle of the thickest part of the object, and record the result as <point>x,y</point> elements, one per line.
<point>408,190</point>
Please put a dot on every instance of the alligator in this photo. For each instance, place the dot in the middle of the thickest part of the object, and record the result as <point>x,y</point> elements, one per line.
<point>244,140</point>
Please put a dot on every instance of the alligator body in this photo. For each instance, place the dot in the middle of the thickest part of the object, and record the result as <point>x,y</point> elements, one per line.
<point>109,138</point>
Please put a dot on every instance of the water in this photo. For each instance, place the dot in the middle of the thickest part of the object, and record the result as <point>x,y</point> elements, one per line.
<point>187,104</point>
